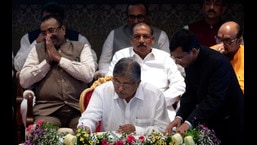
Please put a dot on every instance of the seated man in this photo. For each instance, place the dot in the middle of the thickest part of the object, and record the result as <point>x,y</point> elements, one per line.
<point>119,38</point>
<point>229,42</point>
<point>126,104</point>
<point>31,38</point>
<point>60,69</point>
<point>157,67</point>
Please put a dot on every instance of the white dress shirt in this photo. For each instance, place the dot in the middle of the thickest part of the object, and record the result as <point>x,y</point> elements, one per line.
<point>145,110</point>
<point>107,50</point>
<point>159,69</point>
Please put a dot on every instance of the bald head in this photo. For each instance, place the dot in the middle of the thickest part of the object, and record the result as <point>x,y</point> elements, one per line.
<point>231,35</point>
<point>230,29</point>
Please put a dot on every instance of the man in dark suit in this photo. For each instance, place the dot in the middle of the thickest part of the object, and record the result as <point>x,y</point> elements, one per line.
<point>213,96</point>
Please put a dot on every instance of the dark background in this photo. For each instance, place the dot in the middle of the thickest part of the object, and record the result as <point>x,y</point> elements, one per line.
<point>112,1</point>
<point>96,18</point>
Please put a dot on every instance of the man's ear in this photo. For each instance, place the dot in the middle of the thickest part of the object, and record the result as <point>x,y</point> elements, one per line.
<point>241,40</point>
<point>194,50</point>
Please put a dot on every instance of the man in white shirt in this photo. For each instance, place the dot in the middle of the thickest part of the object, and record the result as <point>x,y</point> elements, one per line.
<point>119,38</point>
<point>126,104</point>
<point>157,66</point>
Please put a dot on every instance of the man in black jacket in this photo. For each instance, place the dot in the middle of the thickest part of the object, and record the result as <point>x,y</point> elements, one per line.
<point>213,96</point>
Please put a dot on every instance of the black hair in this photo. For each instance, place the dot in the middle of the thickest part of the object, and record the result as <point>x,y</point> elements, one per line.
<point>54,8</point>
<point>56,17</point>
<point>184,38</point>
<point>128,67</point>
<point>135,2</point>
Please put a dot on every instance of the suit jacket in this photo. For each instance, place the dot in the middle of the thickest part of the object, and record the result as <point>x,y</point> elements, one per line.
<point>213,96</point>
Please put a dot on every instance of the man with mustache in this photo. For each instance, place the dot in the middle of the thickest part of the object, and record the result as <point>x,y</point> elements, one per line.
<point>157,67</point>
<point>60,69</point>
<point>118,38</point>
<point>206,28</point>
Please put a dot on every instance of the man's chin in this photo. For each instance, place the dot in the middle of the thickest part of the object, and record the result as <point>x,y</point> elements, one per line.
<point>212,15</point>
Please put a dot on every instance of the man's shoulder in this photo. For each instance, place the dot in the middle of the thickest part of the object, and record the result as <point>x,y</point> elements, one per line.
<point>159,33</point>
<point>241,47</point>
<point>197,23</point>
<point>213,55</point>
<point>34,32</point>
<point>160,52</point>
<point>72,34</point>
<point>154,27</point>
<point>74,42</point>
<point>149,88</point>
<point>33,35</point>
<point>158,29</point>
<point>123,26</point>
<point>72,31</point>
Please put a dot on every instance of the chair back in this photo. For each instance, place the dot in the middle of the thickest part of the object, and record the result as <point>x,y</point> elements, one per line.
<point>87,93</point>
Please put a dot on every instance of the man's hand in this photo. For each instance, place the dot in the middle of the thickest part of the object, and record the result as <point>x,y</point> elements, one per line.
<point>218,47</point>
<point>98,75</point>
<point>175,123</point>
<point>53,54</point>
<point>182,129</point>
<point>126,128</point>
<point>87,128</point>
<point>40,38</point>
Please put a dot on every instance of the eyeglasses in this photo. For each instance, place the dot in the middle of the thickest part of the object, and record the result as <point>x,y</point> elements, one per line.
<point>50,31</point>
<point>139,17</point>
<point>178,58</point>
<point>182,56</point>
<point>126,85</point>
<point>145,36</point>
<point>226,41</point>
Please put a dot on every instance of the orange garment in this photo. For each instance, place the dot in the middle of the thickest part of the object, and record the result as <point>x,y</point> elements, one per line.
<point>238,65</point>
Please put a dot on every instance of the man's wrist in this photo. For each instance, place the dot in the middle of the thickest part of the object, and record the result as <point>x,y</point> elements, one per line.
<point>187,122</point>
<point>181,119</point>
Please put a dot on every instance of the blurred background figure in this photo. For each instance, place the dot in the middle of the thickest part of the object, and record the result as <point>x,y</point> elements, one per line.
<point>206,28</point>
